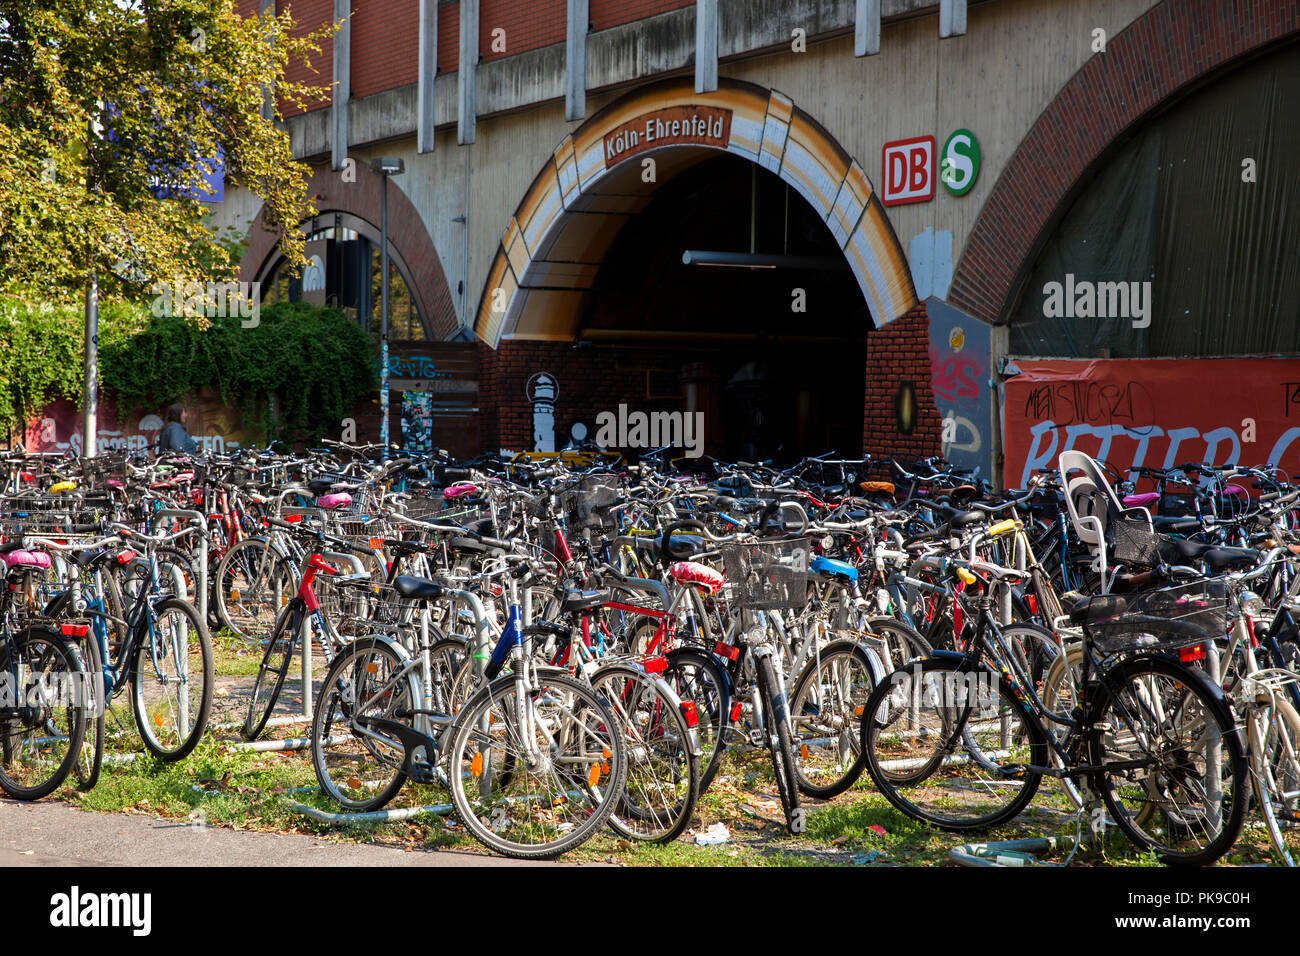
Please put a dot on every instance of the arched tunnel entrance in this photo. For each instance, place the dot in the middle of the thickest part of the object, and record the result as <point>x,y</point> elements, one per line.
<point>716,254</point>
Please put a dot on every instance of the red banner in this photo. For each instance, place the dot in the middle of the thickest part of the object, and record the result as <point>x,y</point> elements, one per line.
<point>1154,412</point>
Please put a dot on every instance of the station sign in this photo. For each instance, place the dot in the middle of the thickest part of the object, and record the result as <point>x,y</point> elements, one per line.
<point>907,171</point>
<point>673,126</point>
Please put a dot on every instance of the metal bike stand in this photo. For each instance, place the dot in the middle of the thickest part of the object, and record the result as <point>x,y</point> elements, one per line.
<point>1007,852</point>
<point>200,583</point>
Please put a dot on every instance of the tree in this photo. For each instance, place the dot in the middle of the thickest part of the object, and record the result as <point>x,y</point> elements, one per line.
<point>110,113</point>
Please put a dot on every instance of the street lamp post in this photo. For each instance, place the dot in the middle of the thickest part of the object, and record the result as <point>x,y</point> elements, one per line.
<point>385,166</point>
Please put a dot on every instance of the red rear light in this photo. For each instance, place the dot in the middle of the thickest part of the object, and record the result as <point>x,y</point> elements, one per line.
<point>1032,601</point>
<point>74,630</point>
<point>688,711</point>
<point>293,519</point>
<point>655,665</point>
<point>125,556</point>
<point>1193,653</point>
<point>737,708</point>
<point>729,651</point>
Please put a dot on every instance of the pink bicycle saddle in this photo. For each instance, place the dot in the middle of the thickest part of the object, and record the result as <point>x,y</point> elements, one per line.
<point>692,572</point>
<point>1144,500</point>
<point>460,490</point>
<point>339,500</point>
<point>25,559</point>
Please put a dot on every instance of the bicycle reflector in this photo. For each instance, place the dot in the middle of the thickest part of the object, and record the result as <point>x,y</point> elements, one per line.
<point>737,708</point>
<point>124,556</point>
<point>689,712</point>
<point>1194,653</point>
<point>1032,601</point>
<point>654,665</point>
<point>730,651</point>
<point>74,630</point>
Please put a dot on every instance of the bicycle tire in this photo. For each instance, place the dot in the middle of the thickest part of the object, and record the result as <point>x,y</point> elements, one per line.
<point>826,713</point>
<point>40,746</point>
<point>1175,832</point>
<point>280,647</point>
<point>91,759</point>
<point>1274,768</point>
<point>361,772</point>
<point>251,586</point>
<point>694,675</point>
<point>579,737</point>
<point>911,733</point>
<point>776,717</point>
<point>171,729</point>
<point>662,773</point>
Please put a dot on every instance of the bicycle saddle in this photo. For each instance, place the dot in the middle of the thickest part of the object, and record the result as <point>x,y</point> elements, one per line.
<point>576,600</point>
<point>1099,607</point>
<point>1176,525</point>
<point>416,589</point>
<point>1221,559</point>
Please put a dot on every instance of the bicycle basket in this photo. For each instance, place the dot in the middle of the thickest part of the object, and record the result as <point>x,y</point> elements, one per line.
<point>1130,540</point>
<point>767,575</point>
<point>588,505</point>
<point>1165,619</point>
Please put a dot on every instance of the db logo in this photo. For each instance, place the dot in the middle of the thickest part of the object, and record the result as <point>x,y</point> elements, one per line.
<point>907,171</point>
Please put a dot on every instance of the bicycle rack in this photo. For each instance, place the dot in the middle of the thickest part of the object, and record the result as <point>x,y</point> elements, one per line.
<point>1007,852</point>
<point>200,572</point>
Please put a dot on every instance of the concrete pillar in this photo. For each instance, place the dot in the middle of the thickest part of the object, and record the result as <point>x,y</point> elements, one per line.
<point>952,18</point>
<point>425,119</point>
<point>467,72</point>
<point>866,28</point>
<point>575,60</point>
<point>342,83</point>
<point>706,46</point>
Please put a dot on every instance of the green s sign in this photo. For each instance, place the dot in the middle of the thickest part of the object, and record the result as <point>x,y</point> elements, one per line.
<point>959,162</point>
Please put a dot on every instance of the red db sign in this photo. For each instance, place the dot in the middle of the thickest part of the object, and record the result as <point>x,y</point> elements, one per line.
<point>907,171</point>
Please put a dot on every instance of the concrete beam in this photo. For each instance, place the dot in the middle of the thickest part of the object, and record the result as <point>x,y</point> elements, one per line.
<point>342,89</point>
<point>427,75</point>
<point>706,46</point>
<point>866,28</point>
<point>952,18</point>
<point>575,59</point>
<point>467,73</point>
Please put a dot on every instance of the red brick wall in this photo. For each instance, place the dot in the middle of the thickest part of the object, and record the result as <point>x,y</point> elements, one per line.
<point>449,35</point>
<point>528,26</point>
<point>610,13</point>
<point>310,15</point>
<point>900,352</point>
<point>590,380</point>
<point>247,8</point>
<point>1162,51</point>
<point>385,45</point>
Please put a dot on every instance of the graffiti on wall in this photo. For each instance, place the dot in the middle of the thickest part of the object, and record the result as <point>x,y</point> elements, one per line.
<point>58,428</point>
<point>959,378</point>
<point>1158,413</point>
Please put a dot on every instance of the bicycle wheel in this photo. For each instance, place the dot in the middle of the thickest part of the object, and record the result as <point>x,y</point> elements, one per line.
<point>564,761</point>
<point>172,681</point>
<point>1034,649</point>
<point>776,717</point>
<point>252,585</point>
<point>361,766</point>
<point>901,643</point>
<point>912,733</point>
<point>1275,768</point>
<point>1181,787</point>
<point>695,676</point>
<point>826,708</point>
<point>280,645</point>
<point>91,758</point>
<point>42,727</point>
<point>662,773</point>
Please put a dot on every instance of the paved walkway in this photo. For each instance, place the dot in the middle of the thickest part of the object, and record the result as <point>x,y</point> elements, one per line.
<point>54,834</point>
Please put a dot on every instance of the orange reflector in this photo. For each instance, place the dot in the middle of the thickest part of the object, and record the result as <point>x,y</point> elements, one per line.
<point>593,775</point>
<point>234,595</point>
<point>476,765</point>
<point>803,751</point>
<point>157,719</point>
<point>377,543</point>
<point>372,668</point>
<point>604,752</point>
<point>604,768</point>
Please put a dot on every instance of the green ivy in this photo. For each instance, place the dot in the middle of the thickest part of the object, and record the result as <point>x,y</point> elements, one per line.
<point>315,361</point>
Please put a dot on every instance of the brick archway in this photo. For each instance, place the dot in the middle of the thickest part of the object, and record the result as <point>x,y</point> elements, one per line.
<point>411,243</point>
<point>1154,59</point>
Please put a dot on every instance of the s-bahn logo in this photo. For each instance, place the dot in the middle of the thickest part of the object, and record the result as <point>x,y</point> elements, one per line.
<point>673,126</point>
<point>907,171</point>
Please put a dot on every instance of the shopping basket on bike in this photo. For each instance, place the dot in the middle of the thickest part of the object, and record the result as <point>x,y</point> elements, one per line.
<point>1165,619</point>
<point>767,575</point>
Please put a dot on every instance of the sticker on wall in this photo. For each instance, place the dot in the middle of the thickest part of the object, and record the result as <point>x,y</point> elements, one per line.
<point>905,407</point>
<point>959,163</point>
<point>907,171</point>
<point>542,390</point>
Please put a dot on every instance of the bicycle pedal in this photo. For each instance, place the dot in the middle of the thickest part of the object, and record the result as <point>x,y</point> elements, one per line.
<point>1012,770</point>
<point>422,773</point>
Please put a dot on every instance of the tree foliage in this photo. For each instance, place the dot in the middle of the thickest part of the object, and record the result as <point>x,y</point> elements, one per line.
<point>101,101</point>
